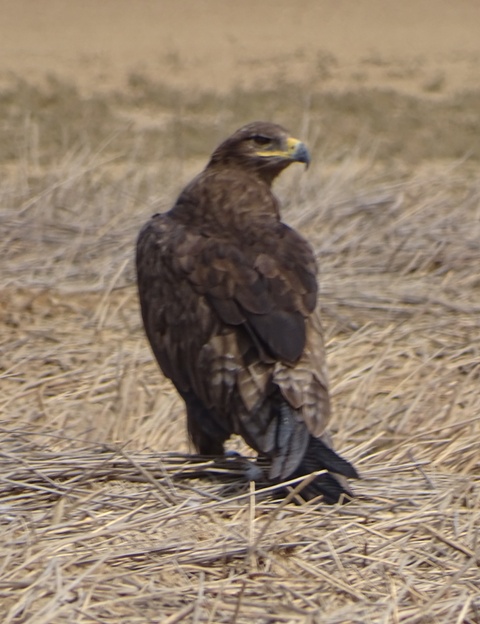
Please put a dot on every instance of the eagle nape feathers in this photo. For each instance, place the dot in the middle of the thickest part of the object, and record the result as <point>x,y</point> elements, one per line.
<point>228,295</point>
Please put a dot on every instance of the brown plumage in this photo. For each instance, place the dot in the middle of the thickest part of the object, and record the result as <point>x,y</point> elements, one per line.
<point>228,296</point>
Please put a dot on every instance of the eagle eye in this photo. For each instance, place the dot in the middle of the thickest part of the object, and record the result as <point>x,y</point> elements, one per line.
<point>261,140</point>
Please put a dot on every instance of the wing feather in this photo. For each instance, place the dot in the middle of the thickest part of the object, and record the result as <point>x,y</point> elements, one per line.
<point>247,285</point>
<point>192,286</point>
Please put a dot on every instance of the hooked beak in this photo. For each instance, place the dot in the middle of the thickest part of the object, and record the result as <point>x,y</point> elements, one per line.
<point>292,150</point>
<point>298,151</point>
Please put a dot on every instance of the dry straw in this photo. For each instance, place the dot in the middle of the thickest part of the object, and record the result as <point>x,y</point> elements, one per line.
<point>102,522</point>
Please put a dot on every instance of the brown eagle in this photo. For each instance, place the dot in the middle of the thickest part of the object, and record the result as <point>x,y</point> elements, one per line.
<point>228,295</point>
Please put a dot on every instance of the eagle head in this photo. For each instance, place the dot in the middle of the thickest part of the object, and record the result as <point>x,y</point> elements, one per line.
<point>263,147</point>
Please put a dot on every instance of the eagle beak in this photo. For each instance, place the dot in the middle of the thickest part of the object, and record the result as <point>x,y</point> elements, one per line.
<point>291,149</point>
<point>298,151</point>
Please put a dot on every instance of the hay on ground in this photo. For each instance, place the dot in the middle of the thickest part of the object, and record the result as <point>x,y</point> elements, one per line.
<point>102,523</point>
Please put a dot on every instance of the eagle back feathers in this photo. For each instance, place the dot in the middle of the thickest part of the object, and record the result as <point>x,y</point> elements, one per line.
<point>228,297</point>
<point>227,306</point>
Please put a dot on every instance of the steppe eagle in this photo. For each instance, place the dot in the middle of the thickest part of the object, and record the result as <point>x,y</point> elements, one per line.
<point>228,295</point>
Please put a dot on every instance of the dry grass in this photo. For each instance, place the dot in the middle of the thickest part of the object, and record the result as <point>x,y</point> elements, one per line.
<point>102,523</point>
<point>111,536</point>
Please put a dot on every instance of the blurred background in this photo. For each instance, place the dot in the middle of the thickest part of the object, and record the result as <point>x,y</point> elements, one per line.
<point>400,75</point>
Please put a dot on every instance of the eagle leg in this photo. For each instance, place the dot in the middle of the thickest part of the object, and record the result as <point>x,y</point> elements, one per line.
<point>205,431</point>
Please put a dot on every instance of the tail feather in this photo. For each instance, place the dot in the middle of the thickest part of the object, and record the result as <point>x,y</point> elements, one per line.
<point>331,485</point>
<point>278,432</point>
<point>319,455</point>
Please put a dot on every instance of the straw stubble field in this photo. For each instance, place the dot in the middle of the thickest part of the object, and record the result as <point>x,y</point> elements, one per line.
<point>104,516</point>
